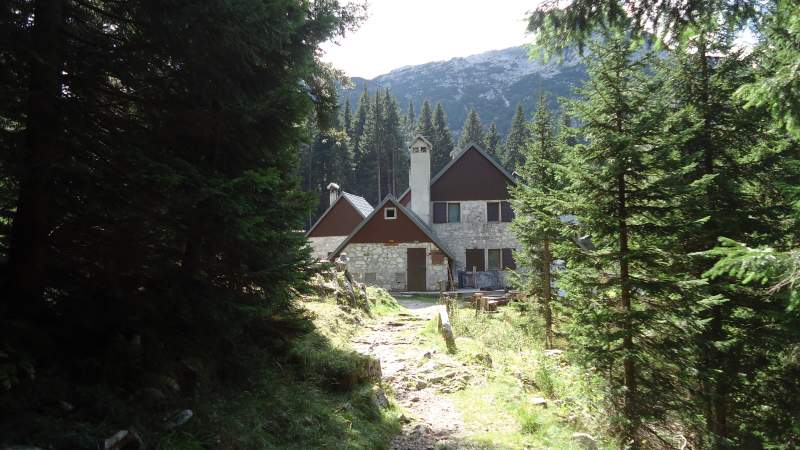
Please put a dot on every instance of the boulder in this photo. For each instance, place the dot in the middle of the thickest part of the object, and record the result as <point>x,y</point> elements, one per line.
<point>584,441</point>
<point>539,401</point>
<point>178,419</point>
<point>378,398</point>
<point>553,352</point>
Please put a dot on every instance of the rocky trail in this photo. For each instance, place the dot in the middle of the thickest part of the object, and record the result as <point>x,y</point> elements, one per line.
<point>418,377</point>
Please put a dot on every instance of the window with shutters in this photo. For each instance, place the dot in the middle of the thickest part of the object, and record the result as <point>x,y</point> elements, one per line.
<point>506,212</point>
<point>494,259</point>
<point>474,260</point>
<point>508,259</point>
<point>444,212</point>
<point>493,211</point>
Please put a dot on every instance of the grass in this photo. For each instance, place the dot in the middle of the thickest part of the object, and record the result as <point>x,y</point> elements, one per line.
<point>506,349</point>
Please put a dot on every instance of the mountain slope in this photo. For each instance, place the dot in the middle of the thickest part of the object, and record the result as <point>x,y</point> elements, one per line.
<point>493,82</point>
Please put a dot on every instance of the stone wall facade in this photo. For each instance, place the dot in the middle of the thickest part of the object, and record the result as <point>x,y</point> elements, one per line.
<point>322,246</point>
<point>475,232</point>
<point>385,265</point>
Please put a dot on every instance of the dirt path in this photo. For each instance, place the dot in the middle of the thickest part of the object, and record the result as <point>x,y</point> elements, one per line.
<point>417,377</point>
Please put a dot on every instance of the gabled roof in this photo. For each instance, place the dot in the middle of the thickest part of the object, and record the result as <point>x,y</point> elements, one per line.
<point>461,153</point>
<point>421,225</point>
<point>358,203</point>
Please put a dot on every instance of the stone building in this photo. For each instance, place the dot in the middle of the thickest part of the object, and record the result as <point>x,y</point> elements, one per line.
<point>459,219</point>
<point>345,212</point>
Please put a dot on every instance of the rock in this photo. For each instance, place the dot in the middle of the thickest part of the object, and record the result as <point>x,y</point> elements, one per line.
<point>370,369</point>
<point>378,398</point>
<point>152,395</point>
<point>404,419</point>
<point>484,359</point>
<point>553,352</point>
<point>421,385</point>
<point>539,401</point>
<point>124,440</point>
<point>584,441</point>
<point>179,418</point>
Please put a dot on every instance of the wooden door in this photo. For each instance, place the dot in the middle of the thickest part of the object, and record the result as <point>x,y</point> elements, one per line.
<point>415,272</point>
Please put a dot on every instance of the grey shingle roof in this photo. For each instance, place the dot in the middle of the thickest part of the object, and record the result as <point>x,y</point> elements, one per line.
<point>361,204</point>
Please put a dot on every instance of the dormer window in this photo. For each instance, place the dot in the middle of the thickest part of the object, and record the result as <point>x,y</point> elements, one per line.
<point>390,213</point>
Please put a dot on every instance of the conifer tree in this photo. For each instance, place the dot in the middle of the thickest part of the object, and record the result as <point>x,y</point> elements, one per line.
<point>410,119</point>
<point>347,118</point>
<point>394,147</point>
<point>472,133</point>
<point>513,150</point>
<point>493,141</point>
<point>442,141</point>
<point>620,292</point>
<point>425,125</point>
<point>536,222</point>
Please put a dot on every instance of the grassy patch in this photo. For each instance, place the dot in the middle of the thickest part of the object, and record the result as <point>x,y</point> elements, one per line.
<point>506,348</point>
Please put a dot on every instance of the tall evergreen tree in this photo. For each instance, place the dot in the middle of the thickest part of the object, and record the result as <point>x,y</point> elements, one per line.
<point>347,118</point>
<point>442,140</point>
<point>493,141</point>
<point>410,119</point>
<point>513,150</point>
<point>425,125</point>
<point>621,296</point>
<point>472,133</point>
<point>537,222</point>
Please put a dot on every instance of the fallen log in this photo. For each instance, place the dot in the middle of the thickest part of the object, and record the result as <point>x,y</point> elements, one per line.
<point>446,330</point>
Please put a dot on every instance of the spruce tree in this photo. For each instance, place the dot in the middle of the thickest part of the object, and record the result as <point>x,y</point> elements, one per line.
<point>537,222</point>
<point>425,125</point>
<point>347,118</point>
<point>472,133</point>
<point>493,141</point>
<point>513,150</point>
<point>442,140</point>
<point>621,296</point>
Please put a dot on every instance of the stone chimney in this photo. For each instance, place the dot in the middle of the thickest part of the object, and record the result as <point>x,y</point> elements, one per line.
<point>334,191</point>
<point>419,178</point>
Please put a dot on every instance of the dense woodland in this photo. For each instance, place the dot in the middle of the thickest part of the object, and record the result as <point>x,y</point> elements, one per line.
<point>159,159</point>
<point>668,219</point>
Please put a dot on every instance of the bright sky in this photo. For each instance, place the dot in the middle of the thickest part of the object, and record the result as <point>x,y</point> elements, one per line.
<point>407,32</point>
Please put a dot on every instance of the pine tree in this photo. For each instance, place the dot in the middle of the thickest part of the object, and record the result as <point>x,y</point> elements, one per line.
<point>360,183</point>
<point>347,118</point>
<point>620,293</point>
<point>394,146</point>
<point>493,141</point>
<point>513,151</point>
<point>442,141</point>
<point>472,133</point>
<point>425,125</point>
<point>410,119</point>
<point>536,223</point>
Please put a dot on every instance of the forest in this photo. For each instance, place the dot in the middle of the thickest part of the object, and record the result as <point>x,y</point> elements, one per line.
<point>159,161</point>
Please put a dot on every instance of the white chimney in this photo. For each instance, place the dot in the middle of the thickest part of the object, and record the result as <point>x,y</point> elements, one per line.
<point>333,192</point>
<point>419,178</point>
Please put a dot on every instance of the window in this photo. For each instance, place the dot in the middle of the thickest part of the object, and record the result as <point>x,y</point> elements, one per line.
<point>499,212</point>
<point>475,260</point>
<point>495,259</point>
<point>444,212</point>
<point>493,212</point>
<point>454,212</point>
<point>508,259</point>
<point>437,258</point>
<point>506,211</point>
<point>390,213</point>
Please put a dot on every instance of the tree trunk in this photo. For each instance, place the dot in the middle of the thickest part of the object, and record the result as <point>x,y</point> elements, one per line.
<point>629,376</point>
<point>29,240</point>
<point>547,293</point>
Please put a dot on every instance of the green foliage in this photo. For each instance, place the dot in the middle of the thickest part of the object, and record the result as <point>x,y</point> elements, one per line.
<point>493,141</point>
<point>473,132</point>
<point>518,137</point>
<point>442,141</point>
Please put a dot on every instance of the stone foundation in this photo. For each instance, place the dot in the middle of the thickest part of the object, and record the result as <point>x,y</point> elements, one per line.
<point>385,265</point>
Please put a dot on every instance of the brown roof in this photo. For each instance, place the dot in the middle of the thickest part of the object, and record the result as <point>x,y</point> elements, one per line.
<point>407,227</point>
<point>471,175</point>
<point>341,218</point>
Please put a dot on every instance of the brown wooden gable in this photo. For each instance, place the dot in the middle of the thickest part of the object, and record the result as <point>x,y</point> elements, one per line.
<point>471,177</point>
<point>381,230</point>
<point>340,220</point>
<point>406,198</point>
